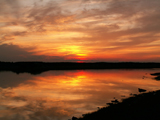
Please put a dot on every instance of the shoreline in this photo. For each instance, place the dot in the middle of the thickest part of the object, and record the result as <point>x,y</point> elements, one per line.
<point>39,67</point>
<point>145,106</point>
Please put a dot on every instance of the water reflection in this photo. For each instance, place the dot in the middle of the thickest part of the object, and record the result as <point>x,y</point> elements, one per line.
<point>59,95</point>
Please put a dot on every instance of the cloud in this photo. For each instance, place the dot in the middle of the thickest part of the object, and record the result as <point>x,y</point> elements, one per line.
<point>13,53</point>
<point>10,7</point>
<point>99,24</point>
<point>32,20</point>
<point>38,18</point>
<point>130,18</point>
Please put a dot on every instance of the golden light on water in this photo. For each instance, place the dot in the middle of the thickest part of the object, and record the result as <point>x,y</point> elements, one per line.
<point>62,94</point>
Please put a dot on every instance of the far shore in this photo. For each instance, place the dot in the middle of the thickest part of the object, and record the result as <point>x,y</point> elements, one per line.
<point>39,67</point>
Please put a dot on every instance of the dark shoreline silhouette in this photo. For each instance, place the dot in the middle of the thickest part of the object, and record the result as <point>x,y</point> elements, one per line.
<point>39,67</point>
<point>144,106</point>
<point>157,76</point>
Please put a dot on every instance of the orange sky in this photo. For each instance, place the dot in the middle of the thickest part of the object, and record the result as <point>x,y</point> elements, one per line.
<point>80,30</point>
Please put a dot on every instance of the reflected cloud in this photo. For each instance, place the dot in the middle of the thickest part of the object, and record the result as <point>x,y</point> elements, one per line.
<point>63,94</point>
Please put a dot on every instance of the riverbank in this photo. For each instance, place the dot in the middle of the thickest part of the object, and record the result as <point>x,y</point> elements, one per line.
<point>144,106</point>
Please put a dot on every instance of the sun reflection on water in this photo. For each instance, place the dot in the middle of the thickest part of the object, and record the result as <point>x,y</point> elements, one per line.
<point>62,94</point>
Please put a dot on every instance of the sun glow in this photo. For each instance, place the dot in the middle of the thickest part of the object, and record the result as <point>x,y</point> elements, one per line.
<point>73,50</point>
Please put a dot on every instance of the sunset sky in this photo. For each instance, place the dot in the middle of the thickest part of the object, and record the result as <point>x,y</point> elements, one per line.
<point>80,30</point>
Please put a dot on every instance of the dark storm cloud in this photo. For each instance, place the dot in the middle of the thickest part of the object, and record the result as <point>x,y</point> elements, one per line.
<point>14,53</point>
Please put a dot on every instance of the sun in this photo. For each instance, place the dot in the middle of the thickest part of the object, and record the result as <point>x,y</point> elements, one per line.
<point>73,50</point>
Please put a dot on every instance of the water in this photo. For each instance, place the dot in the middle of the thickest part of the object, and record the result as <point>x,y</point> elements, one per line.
<point>59,95</point>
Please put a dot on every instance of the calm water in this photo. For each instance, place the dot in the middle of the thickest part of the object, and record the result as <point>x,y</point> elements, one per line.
<point>59,95</point>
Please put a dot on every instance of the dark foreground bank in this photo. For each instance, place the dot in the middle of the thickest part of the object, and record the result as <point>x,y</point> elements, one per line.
<point>144,106</point>
<point>39,67</point>
<point>157,76</point>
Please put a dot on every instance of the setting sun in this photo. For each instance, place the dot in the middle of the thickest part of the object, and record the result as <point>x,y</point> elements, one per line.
<point>73,50</point>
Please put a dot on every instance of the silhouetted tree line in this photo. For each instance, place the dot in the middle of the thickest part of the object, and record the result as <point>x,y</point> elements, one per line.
<point>38,67</point>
